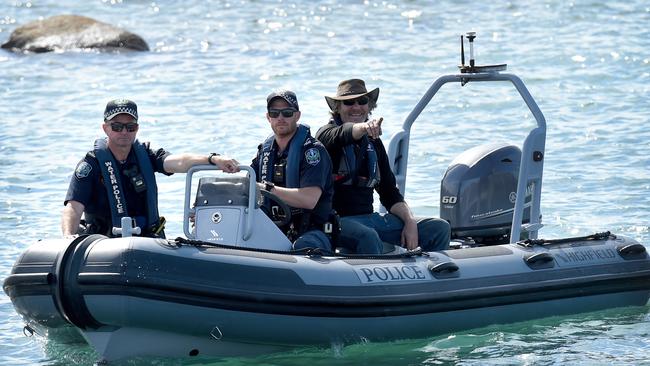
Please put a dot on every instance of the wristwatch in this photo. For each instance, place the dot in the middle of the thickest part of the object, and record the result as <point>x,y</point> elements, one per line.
<point>210,158</point>
<point>268,186</point>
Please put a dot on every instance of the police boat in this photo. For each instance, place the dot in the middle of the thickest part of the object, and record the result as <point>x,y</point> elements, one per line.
<point>232,286</point>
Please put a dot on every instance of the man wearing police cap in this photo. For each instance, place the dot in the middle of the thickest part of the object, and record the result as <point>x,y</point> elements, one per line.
<point>116,179</point>
<point>295,167</point>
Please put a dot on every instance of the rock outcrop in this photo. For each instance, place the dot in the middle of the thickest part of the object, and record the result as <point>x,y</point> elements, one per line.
<point>66,32</point>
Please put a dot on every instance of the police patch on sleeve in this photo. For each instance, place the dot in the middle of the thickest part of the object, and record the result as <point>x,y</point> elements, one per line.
<point>312,156</point>
<point>83,169</point>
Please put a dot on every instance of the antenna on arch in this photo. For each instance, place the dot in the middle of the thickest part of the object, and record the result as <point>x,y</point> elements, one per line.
<point>472,67</point>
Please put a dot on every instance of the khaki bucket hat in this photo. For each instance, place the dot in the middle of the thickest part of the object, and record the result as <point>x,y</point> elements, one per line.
<point>351,89</point>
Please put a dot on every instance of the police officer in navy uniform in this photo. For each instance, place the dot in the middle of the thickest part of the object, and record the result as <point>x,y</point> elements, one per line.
<point>361,167</point>
<point>296,168</point>
<point>116,179</point>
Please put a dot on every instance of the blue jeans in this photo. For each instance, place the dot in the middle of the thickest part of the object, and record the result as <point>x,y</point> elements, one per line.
<point>364,234</point>
<point>313,239</point>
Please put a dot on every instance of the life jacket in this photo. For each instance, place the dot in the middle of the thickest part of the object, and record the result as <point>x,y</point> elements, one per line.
<point>294,156</point>
<point>349,165</point>
<point>301,219</point>
<point>115,187</point>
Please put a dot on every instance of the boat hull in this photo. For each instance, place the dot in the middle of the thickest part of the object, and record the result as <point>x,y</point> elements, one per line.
<point>189,300</point>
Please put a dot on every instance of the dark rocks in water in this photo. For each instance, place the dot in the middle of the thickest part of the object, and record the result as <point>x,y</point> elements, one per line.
<point>64,32</point>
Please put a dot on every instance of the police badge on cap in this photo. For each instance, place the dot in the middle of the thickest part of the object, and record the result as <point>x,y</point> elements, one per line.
<point>119,106</point>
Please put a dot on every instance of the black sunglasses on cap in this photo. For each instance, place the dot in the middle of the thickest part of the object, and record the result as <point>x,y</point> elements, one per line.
<point>286,112</point>
<point>361,100</point>
<point>118,127</point>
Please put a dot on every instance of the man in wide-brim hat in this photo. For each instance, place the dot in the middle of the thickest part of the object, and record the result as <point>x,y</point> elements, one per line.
<point>350,90</point>
<point>361,167</point>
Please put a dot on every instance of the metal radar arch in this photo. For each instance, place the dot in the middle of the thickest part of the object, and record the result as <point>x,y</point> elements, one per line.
<point>532,161</point>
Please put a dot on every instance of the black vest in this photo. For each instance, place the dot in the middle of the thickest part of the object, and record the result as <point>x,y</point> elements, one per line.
<point>115,187</point>
<point>351,160</point>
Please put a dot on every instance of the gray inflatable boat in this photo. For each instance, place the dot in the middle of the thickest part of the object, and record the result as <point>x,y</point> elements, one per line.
<point>232,285</point>
<point>141,296</point>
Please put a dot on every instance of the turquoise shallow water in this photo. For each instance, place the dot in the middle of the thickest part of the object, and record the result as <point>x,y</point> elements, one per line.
<point>203,85</point>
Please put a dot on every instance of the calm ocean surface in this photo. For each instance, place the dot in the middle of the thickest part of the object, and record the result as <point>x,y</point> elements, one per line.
<point>203,86</point>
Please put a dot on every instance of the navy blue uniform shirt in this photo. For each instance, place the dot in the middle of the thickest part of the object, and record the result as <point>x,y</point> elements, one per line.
<point>86,185</point>
<point>315,171</point>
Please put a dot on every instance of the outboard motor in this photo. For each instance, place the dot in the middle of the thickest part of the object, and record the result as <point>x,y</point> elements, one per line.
<point>478,193</point>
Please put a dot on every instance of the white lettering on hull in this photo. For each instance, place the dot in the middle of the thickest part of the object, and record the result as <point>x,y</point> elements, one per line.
<point>587,255</point>
<point>391,273</point>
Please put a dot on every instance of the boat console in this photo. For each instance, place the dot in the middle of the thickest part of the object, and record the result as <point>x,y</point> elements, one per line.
<point>226,210</point>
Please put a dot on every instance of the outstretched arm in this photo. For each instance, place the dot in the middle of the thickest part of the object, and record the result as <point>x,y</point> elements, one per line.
<point>181,163</point>
<point>332,135</point>
<point>371,128</point>
<point>70,218</point>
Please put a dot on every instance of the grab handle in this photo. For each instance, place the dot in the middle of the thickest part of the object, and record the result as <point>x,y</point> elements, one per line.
<point>632,251</point>
<point>444,270</point>
<point>541,260</point>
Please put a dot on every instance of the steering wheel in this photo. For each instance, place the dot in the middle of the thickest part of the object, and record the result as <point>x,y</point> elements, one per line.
<point>282,215</point>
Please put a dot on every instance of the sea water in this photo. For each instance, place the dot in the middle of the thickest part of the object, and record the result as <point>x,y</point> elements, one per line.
<point>202,89</point>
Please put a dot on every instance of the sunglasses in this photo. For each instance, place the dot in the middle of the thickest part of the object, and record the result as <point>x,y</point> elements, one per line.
<point>361,100</point>
<point>118,127</point>
<point>286,112</point>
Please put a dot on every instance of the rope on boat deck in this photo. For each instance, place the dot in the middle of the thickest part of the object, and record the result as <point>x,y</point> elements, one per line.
<point>310,252</point>
<point>542,242</point>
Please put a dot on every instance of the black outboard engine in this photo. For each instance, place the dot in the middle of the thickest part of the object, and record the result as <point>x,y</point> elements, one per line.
<point>478,193</point>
